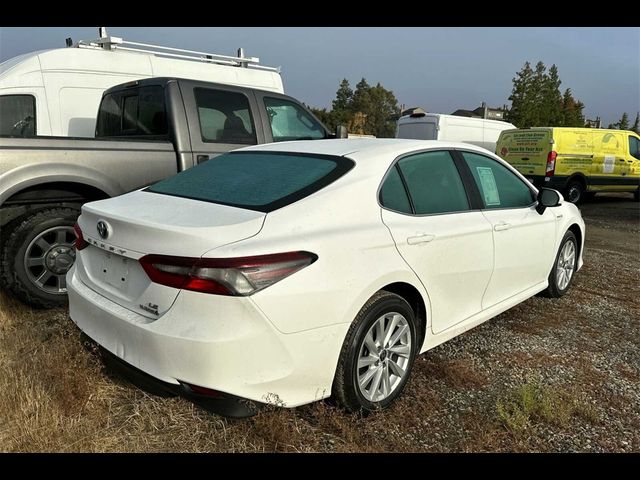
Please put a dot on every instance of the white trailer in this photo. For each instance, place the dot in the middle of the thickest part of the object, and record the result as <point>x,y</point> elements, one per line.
<point>57,92</point>
<point>436,126</point>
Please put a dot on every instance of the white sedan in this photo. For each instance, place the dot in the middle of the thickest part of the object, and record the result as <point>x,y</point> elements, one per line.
<point>291,272</point>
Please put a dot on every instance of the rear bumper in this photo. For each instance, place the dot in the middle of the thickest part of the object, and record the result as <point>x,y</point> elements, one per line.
<point>555,182</point>
<point>221,343</point>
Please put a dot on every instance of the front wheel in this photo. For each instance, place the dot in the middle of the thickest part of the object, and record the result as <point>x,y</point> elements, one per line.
<point>564,267</point>
<point>377,354</point>
<point>37,254</point>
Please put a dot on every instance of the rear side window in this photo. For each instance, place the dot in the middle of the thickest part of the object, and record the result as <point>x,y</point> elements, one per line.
<point>499,187</point>
<point>434,183</point>
<point>262,181</point>
<point>17,115</point>
<point>135,112</point>
<point>393,195</point>
<point>290,121</point>
<point>225,117</point>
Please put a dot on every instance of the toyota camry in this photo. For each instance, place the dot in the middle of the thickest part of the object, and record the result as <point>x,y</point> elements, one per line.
<point>296,271</point>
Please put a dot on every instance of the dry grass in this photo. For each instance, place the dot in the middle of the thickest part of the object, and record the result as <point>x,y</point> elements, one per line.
<point>532,403</point>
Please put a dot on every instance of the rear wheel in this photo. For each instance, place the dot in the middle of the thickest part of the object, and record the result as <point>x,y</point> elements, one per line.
<point>575,191</point>
<point>563,268</point>
<point>377,354</point>
<point>37,254</point>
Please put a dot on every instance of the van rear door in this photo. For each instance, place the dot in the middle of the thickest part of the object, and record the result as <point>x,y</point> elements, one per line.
<point>422,128</point>
<point>526,150</point>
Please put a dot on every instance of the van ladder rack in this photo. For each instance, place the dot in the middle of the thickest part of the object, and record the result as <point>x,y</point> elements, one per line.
<point>112,43</point>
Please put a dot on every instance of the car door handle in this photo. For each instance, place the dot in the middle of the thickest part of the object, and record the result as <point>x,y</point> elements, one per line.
<point>420,238</point>
<point>498,227</point>
<point>201,159</point>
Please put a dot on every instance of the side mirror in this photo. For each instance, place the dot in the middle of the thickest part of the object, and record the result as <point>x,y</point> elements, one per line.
<point>547,197</point>
<point>341,132</point>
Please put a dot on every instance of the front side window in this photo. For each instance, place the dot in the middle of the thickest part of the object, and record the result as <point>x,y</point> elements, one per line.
<point>290,121</point>
<point>634,147</point>
<point>17,115</point>
<point>499,187</point>
<point>262,181</point>
<point>225,117</point>
<point>434,183</point>
<point>139,112</point>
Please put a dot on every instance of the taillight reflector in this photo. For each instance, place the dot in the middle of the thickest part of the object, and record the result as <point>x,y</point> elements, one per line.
<point>551,163</point>
<point>80,242</point>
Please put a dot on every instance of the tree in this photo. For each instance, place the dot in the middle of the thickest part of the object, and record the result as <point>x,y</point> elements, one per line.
<point>536,99</point>
<point>623,123</point>
<point>365,110</point>
<point>636,124</point>
<point>571,115</point>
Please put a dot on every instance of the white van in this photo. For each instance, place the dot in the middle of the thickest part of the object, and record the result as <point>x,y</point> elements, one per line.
<point>420,125</point>
<point>57,92</point>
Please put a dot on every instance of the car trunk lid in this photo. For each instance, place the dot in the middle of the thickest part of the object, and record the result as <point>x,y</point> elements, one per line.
<point>122,230</point>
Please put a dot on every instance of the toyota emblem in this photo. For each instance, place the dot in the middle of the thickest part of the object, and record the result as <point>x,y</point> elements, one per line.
<point>103,229</point>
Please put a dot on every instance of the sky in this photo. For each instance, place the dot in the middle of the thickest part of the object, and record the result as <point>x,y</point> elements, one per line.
<point>439,69</point>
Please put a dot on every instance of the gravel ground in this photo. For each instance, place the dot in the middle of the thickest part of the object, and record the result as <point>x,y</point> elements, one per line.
<point>583,348</point>
<point>559,375</point>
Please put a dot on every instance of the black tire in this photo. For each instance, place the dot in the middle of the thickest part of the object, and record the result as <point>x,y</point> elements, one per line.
<point>23,231</point>
<point>554,290</point>
<point>575,192</point>
<point>346,390</point>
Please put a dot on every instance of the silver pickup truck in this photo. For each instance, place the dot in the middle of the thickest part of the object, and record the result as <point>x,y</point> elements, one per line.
<point>146,131</point>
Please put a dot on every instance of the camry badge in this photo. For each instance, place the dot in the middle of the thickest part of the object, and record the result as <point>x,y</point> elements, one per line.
<point>102,228</point>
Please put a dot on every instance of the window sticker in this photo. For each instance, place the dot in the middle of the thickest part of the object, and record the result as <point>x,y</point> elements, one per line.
<point>489,187</point>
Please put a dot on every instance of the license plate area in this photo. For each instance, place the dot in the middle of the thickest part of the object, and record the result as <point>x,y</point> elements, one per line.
<point>115,270</point>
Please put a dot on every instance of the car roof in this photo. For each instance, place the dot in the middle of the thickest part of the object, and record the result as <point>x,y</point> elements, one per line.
<point>362,148</point>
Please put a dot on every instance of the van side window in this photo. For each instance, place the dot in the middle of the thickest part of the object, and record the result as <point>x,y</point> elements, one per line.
<point>18,118</point>
<point>499,187</point>
<point>138,112</point>
<point>225,117</point>
<point>289,121</point>
<point>634,147</point>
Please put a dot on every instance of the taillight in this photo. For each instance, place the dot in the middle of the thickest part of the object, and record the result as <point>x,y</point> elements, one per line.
<point>80,242</point>
<point>551,164</point>
<point>224,276</point>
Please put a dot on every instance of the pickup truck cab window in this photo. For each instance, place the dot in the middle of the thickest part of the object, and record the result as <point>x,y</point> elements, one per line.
<point>224,117</point>
<point>289,121</point>
<point>18,117</point>
<point>139,112</point>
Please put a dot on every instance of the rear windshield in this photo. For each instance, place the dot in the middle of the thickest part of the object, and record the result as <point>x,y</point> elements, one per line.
<point>262,181</point>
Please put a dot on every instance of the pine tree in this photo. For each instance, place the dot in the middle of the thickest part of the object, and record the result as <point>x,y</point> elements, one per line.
<point>572,115</point>
<point>636,124</point>
<point>520,111</point>
<point>623,123</point>
<point>344,96</point>
<point>552,101</point>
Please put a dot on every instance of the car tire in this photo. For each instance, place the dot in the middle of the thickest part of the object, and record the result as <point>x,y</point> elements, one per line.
<point>575,192</point>
<point>377,355</point>
<point>43,240</point>
<point>564,265</point>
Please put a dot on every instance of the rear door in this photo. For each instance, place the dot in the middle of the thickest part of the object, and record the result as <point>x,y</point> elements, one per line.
<point>446,243</point>
<point>523,240</point>
<point>525,150</point>
<point>220,118</point>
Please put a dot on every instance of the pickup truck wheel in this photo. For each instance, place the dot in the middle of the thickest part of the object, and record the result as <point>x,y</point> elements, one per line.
<point>37,254</point>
